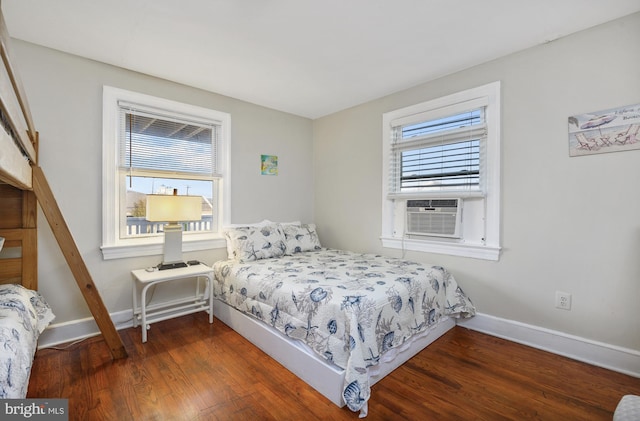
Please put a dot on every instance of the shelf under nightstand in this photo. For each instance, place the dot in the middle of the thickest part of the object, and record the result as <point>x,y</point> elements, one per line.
<point>202,300</point>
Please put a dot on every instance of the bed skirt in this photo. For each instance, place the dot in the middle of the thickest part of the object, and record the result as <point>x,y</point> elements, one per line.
<point>297,357</point>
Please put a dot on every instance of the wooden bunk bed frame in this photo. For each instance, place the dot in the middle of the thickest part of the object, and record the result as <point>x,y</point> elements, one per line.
<point>23,186</point>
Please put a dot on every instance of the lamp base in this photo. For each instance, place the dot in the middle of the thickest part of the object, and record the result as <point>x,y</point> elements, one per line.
<point>172,257</point>
<point>163,266</point>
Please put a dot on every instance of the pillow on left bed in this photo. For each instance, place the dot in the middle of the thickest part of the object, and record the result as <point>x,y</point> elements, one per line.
<point>23,316</point>
<point>255,243</point>
<point>20,298</point>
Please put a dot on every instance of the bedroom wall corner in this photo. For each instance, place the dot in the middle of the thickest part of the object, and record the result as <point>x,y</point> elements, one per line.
<point>65,95</point>
<point>568,223</point>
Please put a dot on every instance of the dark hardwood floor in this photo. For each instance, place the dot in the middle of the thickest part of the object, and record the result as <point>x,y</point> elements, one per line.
<point>191,370</point>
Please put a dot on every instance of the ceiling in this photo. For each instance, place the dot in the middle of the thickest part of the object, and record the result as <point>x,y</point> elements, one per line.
<point>306,57</point>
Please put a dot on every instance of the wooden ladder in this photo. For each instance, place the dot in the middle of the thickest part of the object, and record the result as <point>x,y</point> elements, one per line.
<point>76,263</point>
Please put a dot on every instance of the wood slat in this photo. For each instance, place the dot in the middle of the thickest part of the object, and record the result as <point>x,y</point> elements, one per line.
<point>79,269</point>
<point>10,271</point>
<point>18,220</point>
<point>13,235</point>
<point>11,268</point>
<point>29,209</point>
<point>30,240</point>
<point>11,204</point>
<point>192,370</point>
<point>21,270</point>
<point>29,258</point>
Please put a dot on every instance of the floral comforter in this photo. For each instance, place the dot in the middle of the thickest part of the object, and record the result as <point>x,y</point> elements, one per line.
<point>348,307</point>
<point>23,317</point>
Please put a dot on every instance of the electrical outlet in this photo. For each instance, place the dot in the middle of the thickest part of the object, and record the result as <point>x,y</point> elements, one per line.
<point>563,300</point>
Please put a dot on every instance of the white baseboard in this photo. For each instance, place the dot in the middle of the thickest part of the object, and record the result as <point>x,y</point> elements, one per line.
<point>77,330</point>
<point>600,354</point>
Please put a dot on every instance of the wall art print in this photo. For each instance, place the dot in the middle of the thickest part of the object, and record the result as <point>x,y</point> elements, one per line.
<point>269,165</point>
<point>613,130</point>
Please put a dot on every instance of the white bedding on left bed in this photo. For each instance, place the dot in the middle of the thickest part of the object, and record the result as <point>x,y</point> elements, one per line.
<point>24,315</point>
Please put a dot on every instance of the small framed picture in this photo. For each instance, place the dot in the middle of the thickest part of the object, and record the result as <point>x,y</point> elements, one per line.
<point>268,164</point>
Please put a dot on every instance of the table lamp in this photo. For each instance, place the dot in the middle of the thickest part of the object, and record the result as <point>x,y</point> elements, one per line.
<point>172,210</point>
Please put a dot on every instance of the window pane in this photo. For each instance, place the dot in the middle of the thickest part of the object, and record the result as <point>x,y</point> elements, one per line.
<point>136,194</point>
<point>449,165</point>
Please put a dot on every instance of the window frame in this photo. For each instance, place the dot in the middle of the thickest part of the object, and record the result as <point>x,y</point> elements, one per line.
<point>487,199</point>
<point>428,152</point>
<point>114,247</point>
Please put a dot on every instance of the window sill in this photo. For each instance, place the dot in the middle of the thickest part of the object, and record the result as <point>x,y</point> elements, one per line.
<point>121,251</point>
<point>476,251</point>
<point>438,195</point>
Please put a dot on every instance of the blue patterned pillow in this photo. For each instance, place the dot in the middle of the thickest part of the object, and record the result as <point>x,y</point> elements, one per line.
<point>300,238</point>
<point>38,308</point>
<point>255,243</point>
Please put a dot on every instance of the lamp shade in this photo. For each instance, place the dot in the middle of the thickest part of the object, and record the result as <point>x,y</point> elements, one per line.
<point>165,208</point>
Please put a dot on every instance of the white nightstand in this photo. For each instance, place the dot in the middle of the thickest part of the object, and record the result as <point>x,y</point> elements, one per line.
<point>202,300</point>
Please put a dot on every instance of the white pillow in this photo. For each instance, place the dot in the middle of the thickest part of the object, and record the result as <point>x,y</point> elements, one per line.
<point>255,243</point>
<point>231,226</point>
<point>262,223</point>
<point>32,301</point>
<point>300,238</point>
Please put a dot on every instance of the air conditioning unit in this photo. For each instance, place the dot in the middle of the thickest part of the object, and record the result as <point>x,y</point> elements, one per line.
<point>434,217</point>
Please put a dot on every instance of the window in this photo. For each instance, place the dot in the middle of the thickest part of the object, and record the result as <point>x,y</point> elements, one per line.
<point>438,155</point>
<point>155,146</point>
<point>447,148</point>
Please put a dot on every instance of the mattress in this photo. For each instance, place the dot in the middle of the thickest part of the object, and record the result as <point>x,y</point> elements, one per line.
<point>349,308</point>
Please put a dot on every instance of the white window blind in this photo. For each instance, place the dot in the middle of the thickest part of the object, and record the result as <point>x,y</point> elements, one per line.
<point>437,155</point>
<point>152,142</point>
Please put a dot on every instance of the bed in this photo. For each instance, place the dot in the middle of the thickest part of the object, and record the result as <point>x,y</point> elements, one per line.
<point>23,312</point>
<point>23,186</point>
<point>339,320</point>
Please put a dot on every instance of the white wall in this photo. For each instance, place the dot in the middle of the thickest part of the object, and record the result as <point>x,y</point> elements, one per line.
<point>568,224</point>
<point>65,94</point>
<point>585,240</point>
